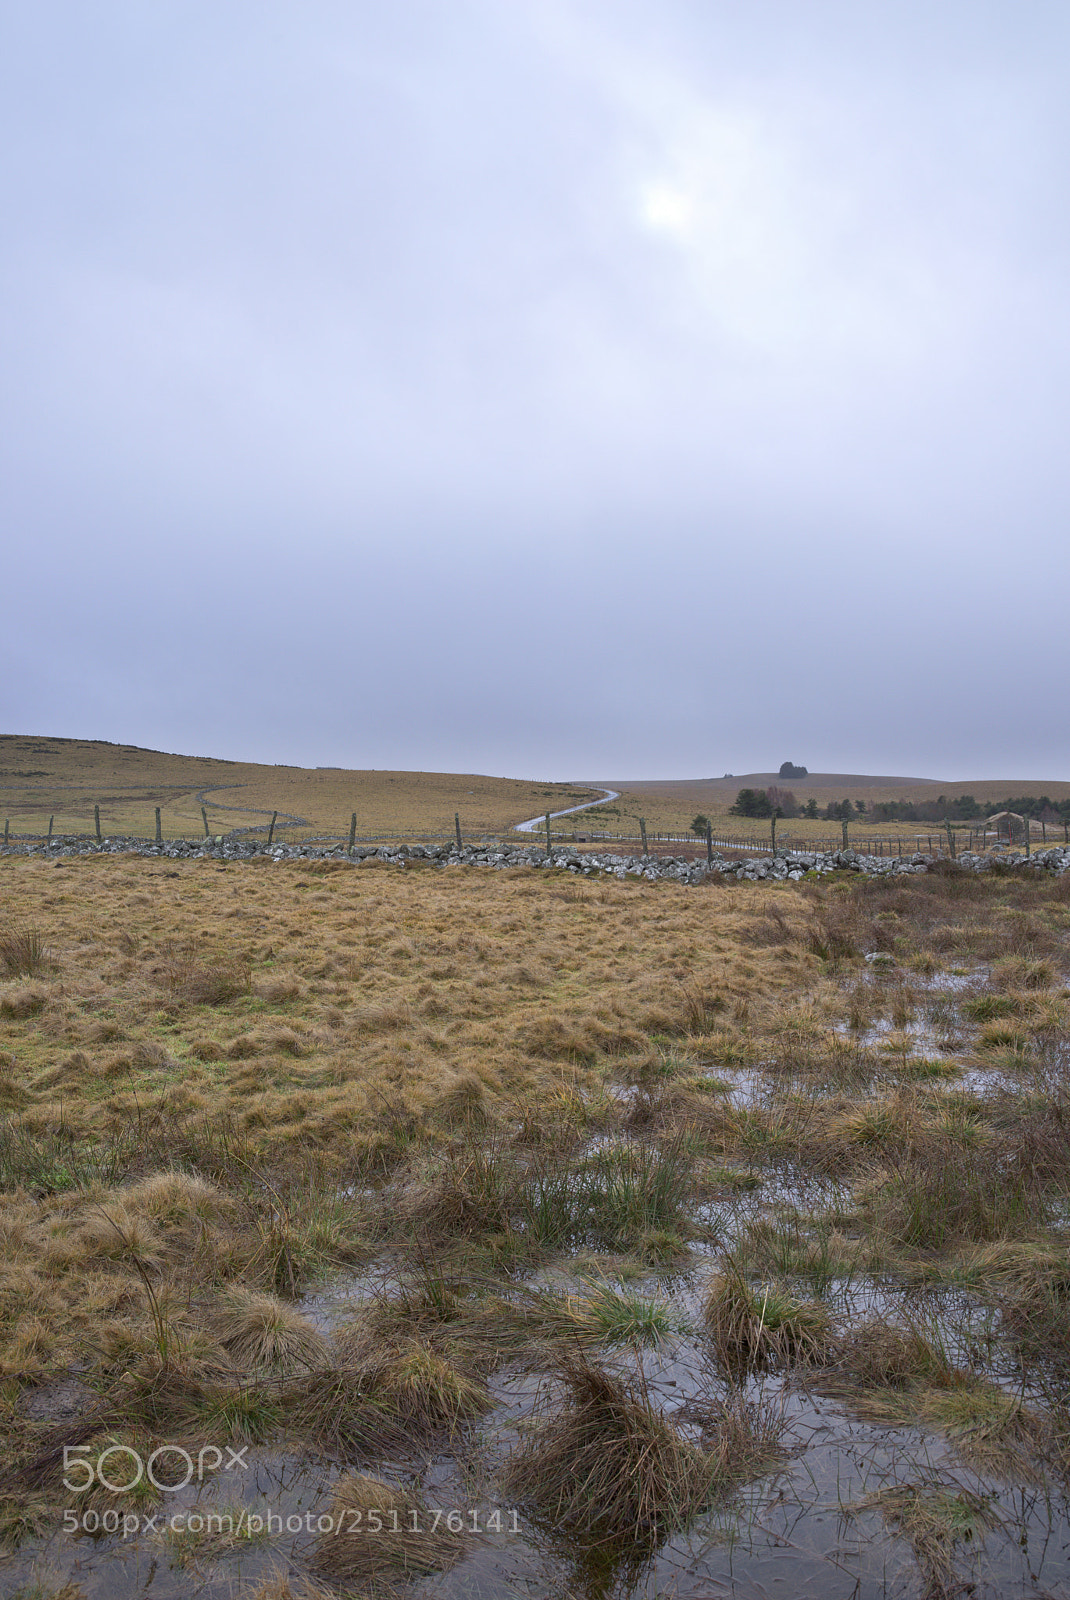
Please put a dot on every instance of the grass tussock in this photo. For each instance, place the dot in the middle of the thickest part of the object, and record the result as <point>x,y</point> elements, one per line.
<point>877,1354</point>
<point>752,1326</point>
<point>263,1334</point>
<point>23,952</point>
<point>23,1000</point>
<point>606,1464</point>
<point>198,983</point>
<point>950,1184</point>
<point>937,1520</point>
<point>418,1386</point>
<point>1035,1307</point>
<point>612,1315</point>
<point>387,1536</point>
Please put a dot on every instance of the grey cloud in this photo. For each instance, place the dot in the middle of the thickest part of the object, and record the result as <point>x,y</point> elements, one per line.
<point>576,388</point>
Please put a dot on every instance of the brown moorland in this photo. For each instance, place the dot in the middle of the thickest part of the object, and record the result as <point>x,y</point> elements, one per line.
<point>65,778</point>
<point>337,1161</point>
<point>670,806</point>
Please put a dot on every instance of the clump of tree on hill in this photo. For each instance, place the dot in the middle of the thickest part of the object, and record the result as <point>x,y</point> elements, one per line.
<point>771,802</point>
<point>841,810</point>
<point>788,769</point>
<point>774,801</point>
<point>967,809</point>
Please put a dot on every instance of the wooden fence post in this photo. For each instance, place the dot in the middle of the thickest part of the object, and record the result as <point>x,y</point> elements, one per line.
<point>709,844</point>
<point>96,821</point>
<point>271,830</point>
<point>950,838</point>
<point>772,821</point>
<point>549,846</point>
<point>51,820</point>
<point>642,830</point>
<point>845,833</point>
<point>457,826</point>
<point>1027,832</point>
<point>352,832</point>
<point>159,829</point>
<point>7,829</point>
<point>204,819</point>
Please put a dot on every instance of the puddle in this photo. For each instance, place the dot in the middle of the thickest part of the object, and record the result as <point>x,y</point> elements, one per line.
<point>327,1307</point>
<point>917,1015</point>
<point>810,1526</point>
<point>112,1567</point>
<point>793,1532</point>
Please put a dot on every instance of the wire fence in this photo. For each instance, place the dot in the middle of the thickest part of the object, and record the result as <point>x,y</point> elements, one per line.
<point>283,827</point>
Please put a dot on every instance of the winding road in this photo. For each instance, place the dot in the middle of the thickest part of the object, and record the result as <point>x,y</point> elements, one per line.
<point>255,811</point>
<point>538,822</point>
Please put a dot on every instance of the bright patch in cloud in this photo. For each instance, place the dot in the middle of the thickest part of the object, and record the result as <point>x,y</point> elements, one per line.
<point>667,210</point>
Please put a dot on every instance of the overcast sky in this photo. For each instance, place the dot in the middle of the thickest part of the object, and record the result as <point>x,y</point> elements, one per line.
<point>552,388</point>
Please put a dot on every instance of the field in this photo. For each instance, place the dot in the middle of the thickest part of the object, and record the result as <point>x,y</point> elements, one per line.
<point>62,780</point>
<point>65,778</point>
<point>669,808</point>
<point>522,1235</point>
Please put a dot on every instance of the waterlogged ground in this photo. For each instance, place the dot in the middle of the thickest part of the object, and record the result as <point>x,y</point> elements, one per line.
<point>652,1176</point>
<point>813,1525</point>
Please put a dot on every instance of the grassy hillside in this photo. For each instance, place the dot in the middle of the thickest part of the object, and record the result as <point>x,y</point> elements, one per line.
<point>66,778</point>
<point>669,806</point>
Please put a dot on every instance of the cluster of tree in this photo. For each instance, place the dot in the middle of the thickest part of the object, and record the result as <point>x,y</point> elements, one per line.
<point>966,809</point>
<point>788,769</point>
<point>771,802</point>
<point>841,810</point>
<point>776,802</point>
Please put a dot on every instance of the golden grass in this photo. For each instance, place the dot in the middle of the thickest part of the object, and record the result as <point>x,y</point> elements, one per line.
<point>66,778</point>
<point>63,779</point>
<point>670,806</point>
<point>233,1082</point>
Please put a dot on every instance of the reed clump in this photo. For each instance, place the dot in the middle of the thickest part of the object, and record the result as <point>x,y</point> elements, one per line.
<point>753,1325</point>
<point>23,952</point>
<point>383,1535</point>
<point>605,1463</point>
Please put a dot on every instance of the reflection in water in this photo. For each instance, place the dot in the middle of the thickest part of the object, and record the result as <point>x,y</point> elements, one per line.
<point>829,1521</point>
